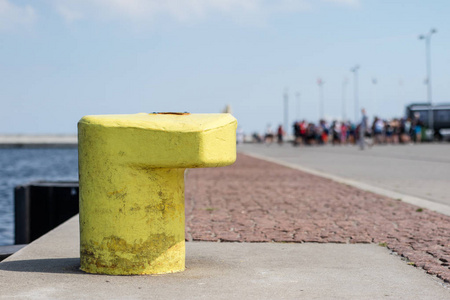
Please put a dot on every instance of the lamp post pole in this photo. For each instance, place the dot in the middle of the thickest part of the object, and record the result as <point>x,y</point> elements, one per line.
<point>427,38</point>
<point>344,87</point>
<point>375,105</point>
<point>320,82</point>
<point>286,109</point>
<point>355,73</point>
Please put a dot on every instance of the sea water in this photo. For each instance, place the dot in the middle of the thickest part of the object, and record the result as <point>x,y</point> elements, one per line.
<point>21,166</point>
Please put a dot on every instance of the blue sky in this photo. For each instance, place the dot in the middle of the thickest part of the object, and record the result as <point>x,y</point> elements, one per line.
<point>63,59</point>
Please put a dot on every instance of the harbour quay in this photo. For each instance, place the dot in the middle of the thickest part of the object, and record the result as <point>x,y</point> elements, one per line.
<point>38,141</point>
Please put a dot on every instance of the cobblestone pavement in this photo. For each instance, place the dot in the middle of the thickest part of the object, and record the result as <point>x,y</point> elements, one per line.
<point>258,201</point>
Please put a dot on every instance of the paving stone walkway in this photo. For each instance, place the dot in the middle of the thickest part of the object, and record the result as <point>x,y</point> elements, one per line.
<point>258,201</point>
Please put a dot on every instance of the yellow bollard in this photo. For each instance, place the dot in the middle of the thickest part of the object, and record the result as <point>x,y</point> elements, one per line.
<point>132,186</point>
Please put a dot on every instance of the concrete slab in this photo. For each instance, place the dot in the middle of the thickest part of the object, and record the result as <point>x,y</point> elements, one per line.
<point>48,269</point>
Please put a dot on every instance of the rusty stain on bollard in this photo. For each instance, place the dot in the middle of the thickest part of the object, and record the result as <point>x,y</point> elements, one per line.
<point>132,186</point>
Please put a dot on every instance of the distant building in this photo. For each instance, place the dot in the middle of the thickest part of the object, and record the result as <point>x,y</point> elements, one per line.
<point>227,109</point>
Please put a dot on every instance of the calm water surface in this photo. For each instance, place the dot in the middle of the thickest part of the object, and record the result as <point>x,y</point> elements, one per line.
<point>20,166</point>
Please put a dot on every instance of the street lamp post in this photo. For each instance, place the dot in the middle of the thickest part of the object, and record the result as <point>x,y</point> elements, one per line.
<point>286,109</point>
<point>355,73</point>
<point>427,38</point>
<point>375,106</point>
<point>344,87</point>
<point>320,83</point>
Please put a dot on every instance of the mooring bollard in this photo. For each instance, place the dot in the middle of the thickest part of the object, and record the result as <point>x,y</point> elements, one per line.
<point>132,186</point>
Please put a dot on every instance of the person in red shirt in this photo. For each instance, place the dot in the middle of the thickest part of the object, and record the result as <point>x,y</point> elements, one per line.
<point>280,134</point>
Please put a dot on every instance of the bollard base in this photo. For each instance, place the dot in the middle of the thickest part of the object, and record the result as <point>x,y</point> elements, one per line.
<point>171,261</point>
<point>136,228</point>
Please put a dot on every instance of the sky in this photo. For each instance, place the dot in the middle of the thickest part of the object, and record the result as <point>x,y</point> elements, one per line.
<point>63,59</point>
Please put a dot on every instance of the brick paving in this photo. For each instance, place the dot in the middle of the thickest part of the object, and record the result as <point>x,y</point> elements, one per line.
<point>258,201</point>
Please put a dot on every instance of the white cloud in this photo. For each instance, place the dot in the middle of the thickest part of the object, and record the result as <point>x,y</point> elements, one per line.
<point>345,2</point>
<point>137,10</point>
<point>13,16</point>
<point>181,10</point>
<point>69,14</point>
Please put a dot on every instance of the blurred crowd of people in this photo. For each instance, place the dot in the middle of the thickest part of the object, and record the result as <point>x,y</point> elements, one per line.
<point>380,131</point>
